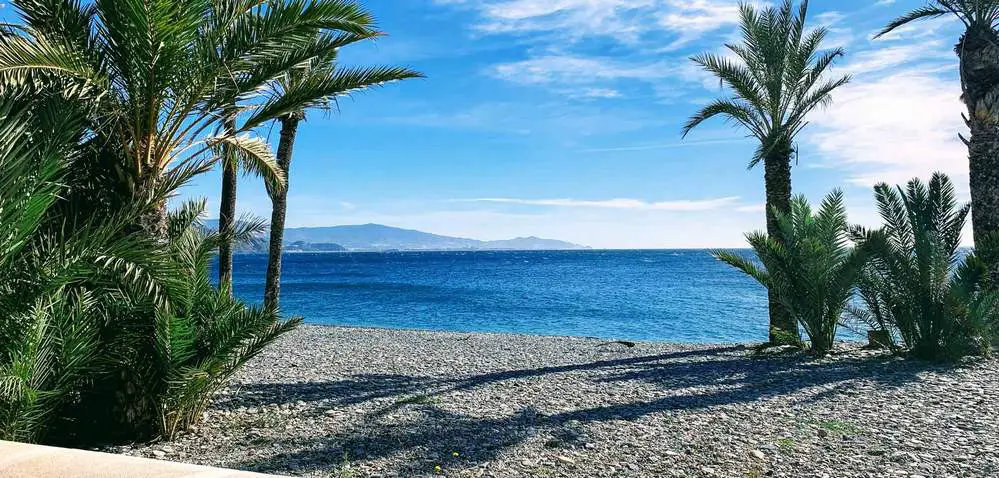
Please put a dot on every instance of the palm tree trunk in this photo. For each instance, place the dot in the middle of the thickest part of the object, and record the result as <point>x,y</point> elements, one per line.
<point>154,219</point>
<point>227,213</point>
<point>979,55</point>
<point>777,176</point>
<point>154,222</point>
<point>279,208</point>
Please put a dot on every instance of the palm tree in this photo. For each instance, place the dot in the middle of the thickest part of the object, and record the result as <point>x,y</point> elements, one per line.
<point>316,84</point>
<point>812,270</point>
<point>158,83</point>
<point>978,53</point>
<point>354,22</point>
<point>777,79</point>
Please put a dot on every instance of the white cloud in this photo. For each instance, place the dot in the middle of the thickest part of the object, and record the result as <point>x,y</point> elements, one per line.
<point>626,21</point>
<point>600,93</point>
<point>691,19</point>
<point>621,203</point>
<point>567,69</point>
<point>893,129</point>
<point>620,19</point>
<point>553,120</point>
<point>892,56</point>
<point>581,76</point>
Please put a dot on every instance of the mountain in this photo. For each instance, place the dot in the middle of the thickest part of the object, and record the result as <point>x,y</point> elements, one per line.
<point>376,237</point>
<point>529,244</point>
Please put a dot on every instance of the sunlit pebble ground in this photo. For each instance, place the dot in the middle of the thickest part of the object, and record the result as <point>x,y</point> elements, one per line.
<point>357,402</point>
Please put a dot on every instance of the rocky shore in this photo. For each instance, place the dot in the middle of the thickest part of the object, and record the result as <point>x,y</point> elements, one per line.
<point>363,403</point>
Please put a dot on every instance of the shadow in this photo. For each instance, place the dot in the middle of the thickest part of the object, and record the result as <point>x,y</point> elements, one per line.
<point>356,389</point>
<point>427,434</point>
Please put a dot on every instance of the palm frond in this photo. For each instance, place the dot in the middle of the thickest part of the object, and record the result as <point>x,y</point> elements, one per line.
<point>921,13</point>
<point>321,85</point>
<point>253,154</point>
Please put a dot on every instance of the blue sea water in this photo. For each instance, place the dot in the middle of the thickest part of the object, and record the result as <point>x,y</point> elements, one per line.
<point>666,295</point>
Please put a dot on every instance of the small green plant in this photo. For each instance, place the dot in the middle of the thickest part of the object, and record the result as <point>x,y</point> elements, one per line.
<point>345,470</point>
<point>839,427</point>
<point>419,399</point>
<point>786,444</point>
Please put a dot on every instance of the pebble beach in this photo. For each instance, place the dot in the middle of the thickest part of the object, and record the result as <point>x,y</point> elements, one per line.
<point>349,402</point>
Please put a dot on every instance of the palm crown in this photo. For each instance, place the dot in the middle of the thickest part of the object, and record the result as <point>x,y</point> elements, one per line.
<point>157,77</point>
<point>777,77</point>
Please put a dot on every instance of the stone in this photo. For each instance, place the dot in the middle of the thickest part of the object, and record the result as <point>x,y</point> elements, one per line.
<point>566,460</point>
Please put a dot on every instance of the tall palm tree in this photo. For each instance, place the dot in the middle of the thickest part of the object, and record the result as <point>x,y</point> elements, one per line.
<point>158,83</point>
<point>778,76</point>
<point>316,84</point>
<point>978,52</point>
<point>354,22</point>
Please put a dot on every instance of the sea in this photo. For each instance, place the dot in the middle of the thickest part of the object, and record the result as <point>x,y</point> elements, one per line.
<point>660,295</point>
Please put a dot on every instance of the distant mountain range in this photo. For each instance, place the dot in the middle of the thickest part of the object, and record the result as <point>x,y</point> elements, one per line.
<point>376,237</point>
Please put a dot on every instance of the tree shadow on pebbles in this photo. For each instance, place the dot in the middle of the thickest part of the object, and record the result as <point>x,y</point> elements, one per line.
<point>351,391</point>
<point>427,434</point>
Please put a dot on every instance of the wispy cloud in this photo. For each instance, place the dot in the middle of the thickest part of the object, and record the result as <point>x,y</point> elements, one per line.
<point>552,120</point>
<point>621,203</point>
<point>626,21</point>
<point>577,69</point>
<point>692,19</point>
<point>584,76</point>
<point>891,56</point>
<point>893,128</point>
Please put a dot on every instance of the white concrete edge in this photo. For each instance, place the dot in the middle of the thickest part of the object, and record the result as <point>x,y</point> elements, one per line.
<point>19,460</point>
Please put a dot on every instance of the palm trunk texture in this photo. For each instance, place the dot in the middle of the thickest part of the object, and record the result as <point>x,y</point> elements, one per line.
<point>979,55</point>
<point>777,176</point>
<point>227,213</point>
<point>279,209</point>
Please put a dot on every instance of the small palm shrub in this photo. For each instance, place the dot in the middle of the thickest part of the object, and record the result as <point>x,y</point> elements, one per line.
<point>170,358</point>
<point>916,285</point>
<point>812,270</point>
<point>209,334</point>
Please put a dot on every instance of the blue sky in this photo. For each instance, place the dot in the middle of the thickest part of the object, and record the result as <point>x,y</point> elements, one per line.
<point>561,119</point>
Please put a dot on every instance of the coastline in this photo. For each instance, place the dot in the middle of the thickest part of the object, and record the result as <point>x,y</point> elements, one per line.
<point>465,333</point>
<point>335,401</point>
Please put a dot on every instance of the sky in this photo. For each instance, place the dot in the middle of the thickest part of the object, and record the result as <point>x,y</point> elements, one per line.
<point>562,119</point>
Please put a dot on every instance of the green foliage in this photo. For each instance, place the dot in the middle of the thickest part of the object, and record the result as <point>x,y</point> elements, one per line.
<point>812,269</point>
<point>57,281</point>
<point>916,285</point>
<point>105,334</point>
<point>205,335</point>
<point>973,14</point>
<point>779,76</point>
<point>155,79</point>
